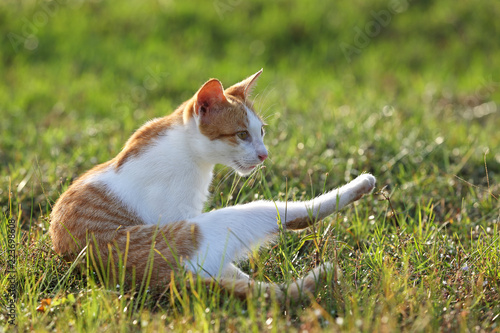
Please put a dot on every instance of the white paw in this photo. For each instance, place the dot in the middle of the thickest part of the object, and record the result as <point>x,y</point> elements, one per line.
<point>367,182</point>
<point>363,184</point>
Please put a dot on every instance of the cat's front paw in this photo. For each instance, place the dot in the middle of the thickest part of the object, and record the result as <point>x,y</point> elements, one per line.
<point>363,184</point>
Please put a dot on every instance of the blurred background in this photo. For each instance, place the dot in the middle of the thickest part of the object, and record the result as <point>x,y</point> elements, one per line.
<point>408,90</point>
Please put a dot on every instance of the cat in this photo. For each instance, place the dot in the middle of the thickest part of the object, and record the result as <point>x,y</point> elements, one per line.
<point>155,189</point>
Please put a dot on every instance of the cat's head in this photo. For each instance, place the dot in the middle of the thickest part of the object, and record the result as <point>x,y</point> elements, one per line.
<point>227,119</point>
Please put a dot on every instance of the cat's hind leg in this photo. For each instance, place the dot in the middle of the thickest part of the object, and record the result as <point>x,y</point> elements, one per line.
<point>294,290</point>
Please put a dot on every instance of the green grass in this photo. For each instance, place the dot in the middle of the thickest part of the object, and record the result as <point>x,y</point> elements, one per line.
<point>416,104</point>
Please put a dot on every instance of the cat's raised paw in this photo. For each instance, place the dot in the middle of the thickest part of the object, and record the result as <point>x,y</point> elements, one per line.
<point>364,184</point>
<point>368,180</point>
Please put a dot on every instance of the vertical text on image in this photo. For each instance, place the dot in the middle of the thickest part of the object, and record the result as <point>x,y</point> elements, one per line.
<point>11,294</point>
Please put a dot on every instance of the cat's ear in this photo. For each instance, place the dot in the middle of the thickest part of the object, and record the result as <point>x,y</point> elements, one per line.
<point>210,94</point>
<point>244,88</point>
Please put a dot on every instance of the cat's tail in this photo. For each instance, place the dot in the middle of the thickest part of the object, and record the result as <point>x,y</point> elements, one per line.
<point>296,290</point>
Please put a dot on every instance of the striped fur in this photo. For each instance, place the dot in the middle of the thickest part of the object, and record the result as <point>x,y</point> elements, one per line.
<point>144,208</point>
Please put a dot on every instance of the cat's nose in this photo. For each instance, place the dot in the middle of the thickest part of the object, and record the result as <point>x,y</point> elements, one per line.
<point>262,157</point>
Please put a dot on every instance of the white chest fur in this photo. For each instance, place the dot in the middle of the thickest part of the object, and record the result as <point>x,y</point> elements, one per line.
<point>165,183</point>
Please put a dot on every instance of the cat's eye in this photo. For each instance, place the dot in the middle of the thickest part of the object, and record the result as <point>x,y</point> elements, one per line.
<point>262,132</point>
<point>243,135</point>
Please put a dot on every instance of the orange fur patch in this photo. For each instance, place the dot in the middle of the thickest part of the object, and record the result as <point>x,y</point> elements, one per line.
<point>86,207</point>
<point>146,135</point>
<point>224,121</point>
<point>150,251</point>
<point>299,223</point>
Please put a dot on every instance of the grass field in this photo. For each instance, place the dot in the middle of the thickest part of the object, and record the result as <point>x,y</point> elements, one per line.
<point>406,90</point>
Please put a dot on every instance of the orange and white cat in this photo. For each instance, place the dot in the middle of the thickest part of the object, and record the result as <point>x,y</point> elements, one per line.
<point>154,191</point>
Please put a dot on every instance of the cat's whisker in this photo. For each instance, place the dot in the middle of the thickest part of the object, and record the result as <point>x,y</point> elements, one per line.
<point>265,118</point>
<point>260,98</point>
<point>222,170</point>
<point>224,178</point>
<point>231,173</point>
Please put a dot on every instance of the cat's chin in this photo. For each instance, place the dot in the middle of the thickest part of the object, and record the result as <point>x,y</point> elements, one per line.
<point>243,170</point>
<point>243,174</point>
